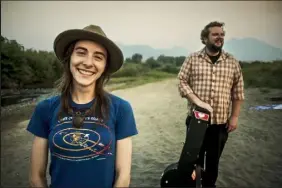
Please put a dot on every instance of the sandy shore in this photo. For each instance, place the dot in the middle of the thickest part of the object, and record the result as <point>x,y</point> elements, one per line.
<point>252,157</point>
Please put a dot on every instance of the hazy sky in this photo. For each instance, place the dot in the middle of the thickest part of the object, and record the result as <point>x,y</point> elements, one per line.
<point>155,23</point>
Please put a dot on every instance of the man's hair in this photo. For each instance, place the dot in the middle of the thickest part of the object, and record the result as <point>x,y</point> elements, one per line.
<point>205,32</point>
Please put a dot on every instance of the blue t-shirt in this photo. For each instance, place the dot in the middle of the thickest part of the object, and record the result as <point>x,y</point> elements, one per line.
<point>85,157</point>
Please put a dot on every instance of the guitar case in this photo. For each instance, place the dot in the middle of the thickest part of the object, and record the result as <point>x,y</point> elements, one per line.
<point>178,174</point>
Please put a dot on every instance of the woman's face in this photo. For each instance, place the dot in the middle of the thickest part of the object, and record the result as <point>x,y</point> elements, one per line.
<point>87,62</point>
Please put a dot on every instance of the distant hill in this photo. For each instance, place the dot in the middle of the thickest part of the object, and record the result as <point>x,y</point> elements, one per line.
<point>250,49</point>
<point>148,51</point>
<point>245,49</point>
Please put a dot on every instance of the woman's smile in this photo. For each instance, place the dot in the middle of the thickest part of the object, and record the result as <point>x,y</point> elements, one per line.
<point>85,72</point>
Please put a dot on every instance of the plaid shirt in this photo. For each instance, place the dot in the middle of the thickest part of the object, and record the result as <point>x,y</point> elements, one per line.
<point>216,84</point>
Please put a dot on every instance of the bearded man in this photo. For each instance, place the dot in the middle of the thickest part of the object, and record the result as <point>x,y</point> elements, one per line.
<point>212,79</point>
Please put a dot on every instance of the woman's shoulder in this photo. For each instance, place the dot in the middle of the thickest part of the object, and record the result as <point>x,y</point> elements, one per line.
<point>118,101</point>
<point>120,105</point>
<point>49,102</point>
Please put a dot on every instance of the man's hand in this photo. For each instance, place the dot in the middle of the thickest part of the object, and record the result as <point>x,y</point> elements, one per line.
<point>205,106</point>
<point>232,123</point>
<point>193,176</point>
<point>194,99</point>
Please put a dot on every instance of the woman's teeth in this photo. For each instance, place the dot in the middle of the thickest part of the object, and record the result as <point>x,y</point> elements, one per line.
<point>88,73</point>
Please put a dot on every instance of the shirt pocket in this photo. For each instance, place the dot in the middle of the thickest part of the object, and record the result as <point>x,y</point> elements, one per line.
<point>226,74</point>
<point>200,71</point>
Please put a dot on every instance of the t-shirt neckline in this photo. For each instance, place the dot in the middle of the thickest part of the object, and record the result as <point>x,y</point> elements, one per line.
<point>80,106</point>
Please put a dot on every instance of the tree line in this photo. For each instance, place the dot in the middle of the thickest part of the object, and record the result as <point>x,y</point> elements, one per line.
<point>158,62</point>
<point>28,68</point>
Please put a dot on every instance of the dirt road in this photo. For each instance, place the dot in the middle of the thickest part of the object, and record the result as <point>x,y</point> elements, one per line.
<point>252,157</point>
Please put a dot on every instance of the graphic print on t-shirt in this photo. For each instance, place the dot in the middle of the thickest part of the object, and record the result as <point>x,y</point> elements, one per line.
<point>93,140</point>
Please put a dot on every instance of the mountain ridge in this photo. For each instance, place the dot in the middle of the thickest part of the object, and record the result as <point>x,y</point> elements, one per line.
<point>243,49</point>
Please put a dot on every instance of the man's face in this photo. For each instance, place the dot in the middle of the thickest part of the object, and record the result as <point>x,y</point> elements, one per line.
<point>215,40</point>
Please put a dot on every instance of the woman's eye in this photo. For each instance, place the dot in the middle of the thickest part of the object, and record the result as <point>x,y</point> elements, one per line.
<point>98,57</point>
<point>80,53</point>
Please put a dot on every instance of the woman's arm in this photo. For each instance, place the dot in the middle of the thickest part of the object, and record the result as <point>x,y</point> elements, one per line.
<point>123,162</point>
<point>39,161</point>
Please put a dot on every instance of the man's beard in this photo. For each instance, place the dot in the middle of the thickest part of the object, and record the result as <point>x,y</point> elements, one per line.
<point>213,48</point>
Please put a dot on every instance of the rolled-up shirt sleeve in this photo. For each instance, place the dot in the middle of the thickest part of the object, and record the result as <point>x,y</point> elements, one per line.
<point>183,76</point>
<point>238,83</point>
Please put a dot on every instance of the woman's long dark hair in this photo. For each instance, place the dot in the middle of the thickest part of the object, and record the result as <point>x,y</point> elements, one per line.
<point>100,107</point>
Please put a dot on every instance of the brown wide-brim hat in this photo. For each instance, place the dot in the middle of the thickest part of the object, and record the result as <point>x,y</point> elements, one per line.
<point>93,33</point>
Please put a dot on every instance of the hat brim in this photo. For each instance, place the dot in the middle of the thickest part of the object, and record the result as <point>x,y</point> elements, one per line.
<point>64,39</point>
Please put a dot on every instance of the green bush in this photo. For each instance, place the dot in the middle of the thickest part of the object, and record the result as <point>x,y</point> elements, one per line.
<point>170,69</point>
<point>259,74</point>
<point>132,69</point>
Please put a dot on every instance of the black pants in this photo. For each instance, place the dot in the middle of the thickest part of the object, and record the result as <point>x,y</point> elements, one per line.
<point>213,145</point>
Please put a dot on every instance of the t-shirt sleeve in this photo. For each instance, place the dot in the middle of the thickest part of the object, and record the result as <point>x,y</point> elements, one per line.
<point>126,125</point>
<point>38,124</point>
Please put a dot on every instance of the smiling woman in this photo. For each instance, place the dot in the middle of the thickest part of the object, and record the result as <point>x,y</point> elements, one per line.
<point>87,130</point>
